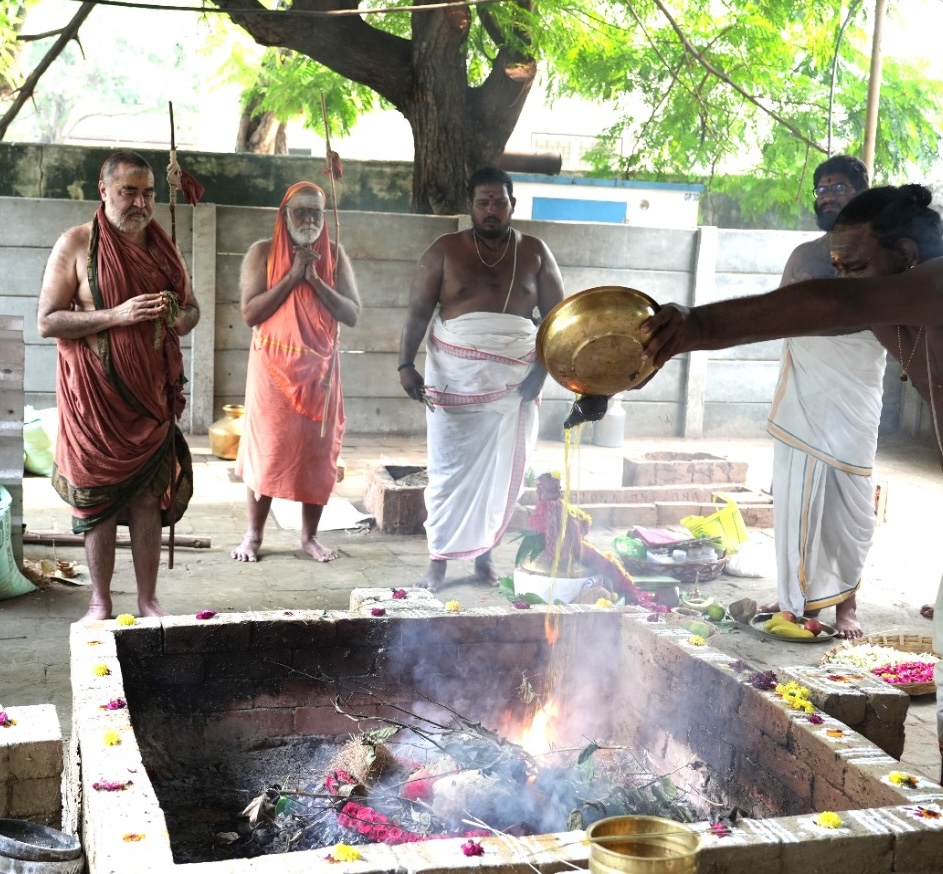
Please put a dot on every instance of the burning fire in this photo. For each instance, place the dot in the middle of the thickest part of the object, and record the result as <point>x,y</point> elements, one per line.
<point>540,736</point>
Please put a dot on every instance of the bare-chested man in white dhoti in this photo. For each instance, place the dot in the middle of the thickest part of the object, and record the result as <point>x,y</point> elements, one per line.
<point>825,417</point>
<point>482,377</point>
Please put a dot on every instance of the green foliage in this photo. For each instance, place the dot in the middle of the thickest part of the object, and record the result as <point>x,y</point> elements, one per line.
<point>532,545</point>
<point>290,85</point>
<point>743,107</point>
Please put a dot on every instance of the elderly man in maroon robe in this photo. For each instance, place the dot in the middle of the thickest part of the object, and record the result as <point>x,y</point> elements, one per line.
<point>117,298</point>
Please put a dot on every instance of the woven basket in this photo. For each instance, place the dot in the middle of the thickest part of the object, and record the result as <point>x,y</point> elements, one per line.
<point>916,643</point>
<point>683,571</point>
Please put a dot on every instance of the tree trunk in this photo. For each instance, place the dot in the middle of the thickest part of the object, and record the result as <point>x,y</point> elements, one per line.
<point>260,132</point>
<point>456,129</point>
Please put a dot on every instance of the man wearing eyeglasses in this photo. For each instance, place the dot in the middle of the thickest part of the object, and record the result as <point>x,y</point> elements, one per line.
<point>297,287</point>
<point>824,418</point>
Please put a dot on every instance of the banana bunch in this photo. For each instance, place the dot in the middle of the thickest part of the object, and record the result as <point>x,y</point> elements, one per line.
<point>783,627</point>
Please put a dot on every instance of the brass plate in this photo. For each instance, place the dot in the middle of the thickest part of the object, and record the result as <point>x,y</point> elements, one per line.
<point>590,342</point>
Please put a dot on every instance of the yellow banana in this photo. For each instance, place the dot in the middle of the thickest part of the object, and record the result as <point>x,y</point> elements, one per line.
<point>790,629</point>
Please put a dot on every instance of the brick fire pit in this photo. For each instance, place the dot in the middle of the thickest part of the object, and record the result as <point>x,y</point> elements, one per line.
<point>239,680</point>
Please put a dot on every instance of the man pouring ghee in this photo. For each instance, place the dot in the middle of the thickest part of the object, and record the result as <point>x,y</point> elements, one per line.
<point>890,242</point>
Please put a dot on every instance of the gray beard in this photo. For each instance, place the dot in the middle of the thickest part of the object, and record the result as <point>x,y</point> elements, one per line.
<point>303,236</point>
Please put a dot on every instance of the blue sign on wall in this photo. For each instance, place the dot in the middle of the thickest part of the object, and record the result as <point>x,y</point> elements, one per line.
<point>573,210</point>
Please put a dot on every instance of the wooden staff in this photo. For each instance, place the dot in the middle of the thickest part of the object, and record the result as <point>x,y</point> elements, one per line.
<point>329,158</point>
<point>330,172</point>
<point>173,181</point>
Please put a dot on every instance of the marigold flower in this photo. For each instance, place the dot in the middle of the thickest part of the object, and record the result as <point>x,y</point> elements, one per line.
<point>378,611</point>
<point>473,848</point>
<point>344,853</point>
<point>133,837</point>
<point>901,778</point>
<point>125,619</point>
<point>206,614</point>
<point>101,670</point>
<point>829,819</point>
<point>111,738</point>
<point>604,602</point>
<point>453,606</point>
<point>696,640</point>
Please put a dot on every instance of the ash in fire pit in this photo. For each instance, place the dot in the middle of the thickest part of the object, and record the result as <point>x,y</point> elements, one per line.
<point>414,780</point>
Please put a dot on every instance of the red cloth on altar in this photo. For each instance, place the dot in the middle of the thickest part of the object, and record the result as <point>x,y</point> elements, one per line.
<point>114,404</point>
<point>294,419</point>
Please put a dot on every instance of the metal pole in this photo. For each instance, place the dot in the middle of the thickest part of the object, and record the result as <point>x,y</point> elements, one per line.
<point>874,87</point>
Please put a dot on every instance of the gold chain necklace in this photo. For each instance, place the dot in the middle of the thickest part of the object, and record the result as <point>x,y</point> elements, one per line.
<point>905,367</point>
<point>507,245</point>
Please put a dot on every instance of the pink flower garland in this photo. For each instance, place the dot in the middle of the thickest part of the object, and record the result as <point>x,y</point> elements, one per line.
<point>373,825</point>
<point>908,672</point>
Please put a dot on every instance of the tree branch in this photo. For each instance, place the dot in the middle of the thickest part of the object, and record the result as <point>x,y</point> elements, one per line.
<point>25,92</point>
<point>347,45</point>
<point>691,50</point>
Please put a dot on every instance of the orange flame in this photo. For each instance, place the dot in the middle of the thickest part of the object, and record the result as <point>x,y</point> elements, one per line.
<point>540,736</point>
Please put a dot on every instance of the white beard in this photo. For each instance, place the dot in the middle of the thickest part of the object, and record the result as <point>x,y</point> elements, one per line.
<point>304,235</point>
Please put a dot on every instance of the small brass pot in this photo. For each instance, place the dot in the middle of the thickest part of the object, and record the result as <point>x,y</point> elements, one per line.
<point>590,343</point>
<point>226,433</point>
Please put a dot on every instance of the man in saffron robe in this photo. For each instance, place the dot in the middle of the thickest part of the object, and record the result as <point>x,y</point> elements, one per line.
<point>482,377</point>
<point>117,298</point>
<point>296,288</point>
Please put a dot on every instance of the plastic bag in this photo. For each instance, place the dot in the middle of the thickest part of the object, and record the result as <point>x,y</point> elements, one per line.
<point>12,582</point>
<point>755,558</point>
<point>725,525</point>
<point>40,428</point>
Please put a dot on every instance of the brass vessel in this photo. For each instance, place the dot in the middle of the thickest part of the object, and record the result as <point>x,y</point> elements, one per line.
<point>590,342</point>
<point>642,845</point>
<point>226,433</point>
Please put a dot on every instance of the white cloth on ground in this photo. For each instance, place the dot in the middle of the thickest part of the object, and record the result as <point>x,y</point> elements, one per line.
<point>825,417</point>
<point>480,432</point>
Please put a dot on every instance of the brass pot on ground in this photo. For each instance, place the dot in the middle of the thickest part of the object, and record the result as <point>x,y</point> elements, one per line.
<point>226,433</point>
<point>642,845</point>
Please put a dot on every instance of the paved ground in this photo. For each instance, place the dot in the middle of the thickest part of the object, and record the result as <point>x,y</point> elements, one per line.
<point>902,573</point>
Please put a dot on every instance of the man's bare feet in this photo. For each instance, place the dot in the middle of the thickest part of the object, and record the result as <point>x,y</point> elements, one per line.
<point>846,619</point>
<point>248,550</point>
<point>151,608</point>
<point>927,611</point>
<point>97,612</point>
<point>484,569</point>
<point>434,575</point>
<point>317,550</point>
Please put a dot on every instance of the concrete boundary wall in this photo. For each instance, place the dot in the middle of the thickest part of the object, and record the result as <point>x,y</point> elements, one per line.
<point>709,394</point>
